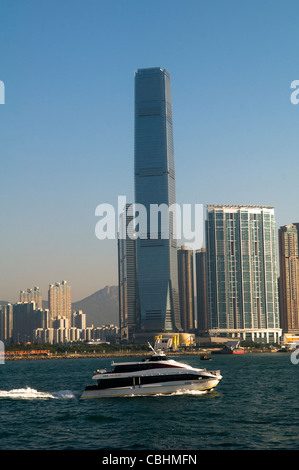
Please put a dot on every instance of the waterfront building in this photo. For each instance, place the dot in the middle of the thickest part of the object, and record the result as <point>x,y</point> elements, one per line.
<point>289,278</point>
<point>63,334</point>
<point>32,295</point>
<point>59,297</point>
<point>201,289</point>
<point>242,272</point>
<point>27,318</point>
<point>74,334</point>
<point>157,275</point>
<point>6,323</point>
<point>79,320</point>
<point>60,335</point>
<point>186,287</point>
<point>128,314</point>
<point>60,323</point>
<point>43,335</point>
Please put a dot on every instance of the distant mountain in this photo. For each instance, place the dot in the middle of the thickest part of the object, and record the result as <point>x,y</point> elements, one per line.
<point>101,308</point>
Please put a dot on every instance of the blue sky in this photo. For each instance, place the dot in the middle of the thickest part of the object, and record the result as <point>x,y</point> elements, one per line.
<point>67,125</point>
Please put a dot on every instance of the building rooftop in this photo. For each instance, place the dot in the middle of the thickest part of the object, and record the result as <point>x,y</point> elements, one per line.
<point>237,206</point>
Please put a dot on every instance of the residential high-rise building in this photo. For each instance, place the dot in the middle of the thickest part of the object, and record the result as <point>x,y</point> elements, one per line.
<point>128,318</point>
<point>60,305</point>
<point>27,318</point>
<point>289,278</point>
<point>32,295</point>
<point>242,272</point>
<point>6,323</point>
<point>157,276</point>
<point>186,287</point>
<point>201,289</point>
<point>61,323</point>
<point>79,320</point>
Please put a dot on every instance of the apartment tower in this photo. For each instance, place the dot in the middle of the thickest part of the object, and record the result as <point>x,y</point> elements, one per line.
<point>201,289</point>
<point>128,320</point>
<point>186,287</point>
<point>242,272</point>
<point>6,322</point>
<point>59,297</point>
<point>32,295</point>
<point>289,278</point>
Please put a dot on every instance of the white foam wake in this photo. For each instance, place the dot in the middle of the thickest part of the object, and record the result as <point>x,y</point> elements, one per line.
<point>32,394</point>
<point>184,392</point>
<point>171,394</point>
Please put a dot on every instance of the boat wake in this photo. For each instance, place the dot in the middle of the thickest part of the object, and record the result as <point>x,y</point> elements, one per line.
<point>172,394</point>
<point>190,392</point>
<point>32,394</point>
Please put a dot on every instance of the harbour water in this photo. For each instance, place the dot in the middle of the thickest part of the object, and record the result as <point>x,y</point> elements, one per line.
<point>255,407</point>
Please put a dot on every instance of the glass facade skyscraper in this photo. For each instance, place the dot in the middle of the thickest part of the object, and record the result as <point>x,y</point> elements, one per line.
<point>242,271</point>
<point>157,277</point>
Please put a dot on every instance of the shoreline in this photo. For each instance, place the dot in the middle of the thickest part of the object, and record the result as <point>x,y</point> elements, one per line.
<point>54,356</point>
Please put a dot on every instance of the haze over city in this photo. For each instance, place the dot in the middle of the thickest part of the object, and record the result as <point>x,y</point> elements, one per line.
<point>67,125</point>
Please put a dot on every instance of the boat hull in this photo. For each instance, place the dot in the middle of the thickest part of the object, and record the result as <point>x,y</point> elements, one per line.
<point>152,389</point>
<point>235,351</point>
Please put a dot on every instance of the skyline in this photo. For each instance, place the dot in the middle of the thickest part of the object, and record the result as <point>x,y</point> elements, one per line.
<point>67,125</point>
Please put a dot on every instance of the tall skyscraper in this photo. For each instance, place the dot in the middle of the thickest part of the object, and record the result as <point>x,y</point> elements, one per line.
<point>128,318</point>
<point>186,288</point>
<point>288,237</point>
<point>157,277</point>
<point>60,305</point>
<point>32,295</point>
<point>242,271</point>
<point>201,289</point>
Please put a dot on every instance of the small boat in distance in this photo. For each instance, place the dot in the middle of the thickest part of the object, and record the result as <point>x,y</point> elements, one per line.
<point>156,374</point>
<point>204,357</point>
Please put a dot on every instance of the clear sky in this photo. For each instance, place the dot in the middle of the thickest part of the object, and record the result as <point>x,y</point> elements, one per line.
<point>67,125</point>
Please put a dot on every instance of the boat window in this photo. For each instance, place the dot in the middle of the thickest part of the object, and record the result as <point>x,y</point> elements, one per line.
<point>119,368</point>
<point>142,380</point>
<point>158,358</point>
<point>130,367</point>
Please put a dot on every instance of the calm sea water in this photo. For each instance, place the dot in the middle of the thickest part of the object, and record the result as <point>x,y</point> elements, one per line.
<point>254,407</point>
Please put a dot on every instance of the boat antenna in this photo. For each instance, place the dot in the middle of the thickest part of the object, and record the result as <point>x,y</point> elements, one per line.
<point>151,347</point>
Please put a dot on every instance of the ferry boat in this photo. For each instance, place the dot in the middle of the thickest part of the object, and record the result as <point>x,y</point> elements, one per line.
<point>156,374</point>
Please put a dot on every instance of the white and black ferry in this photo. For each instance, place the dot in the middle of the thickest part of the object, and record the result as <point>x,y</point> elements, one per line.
<point>156,374</point>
